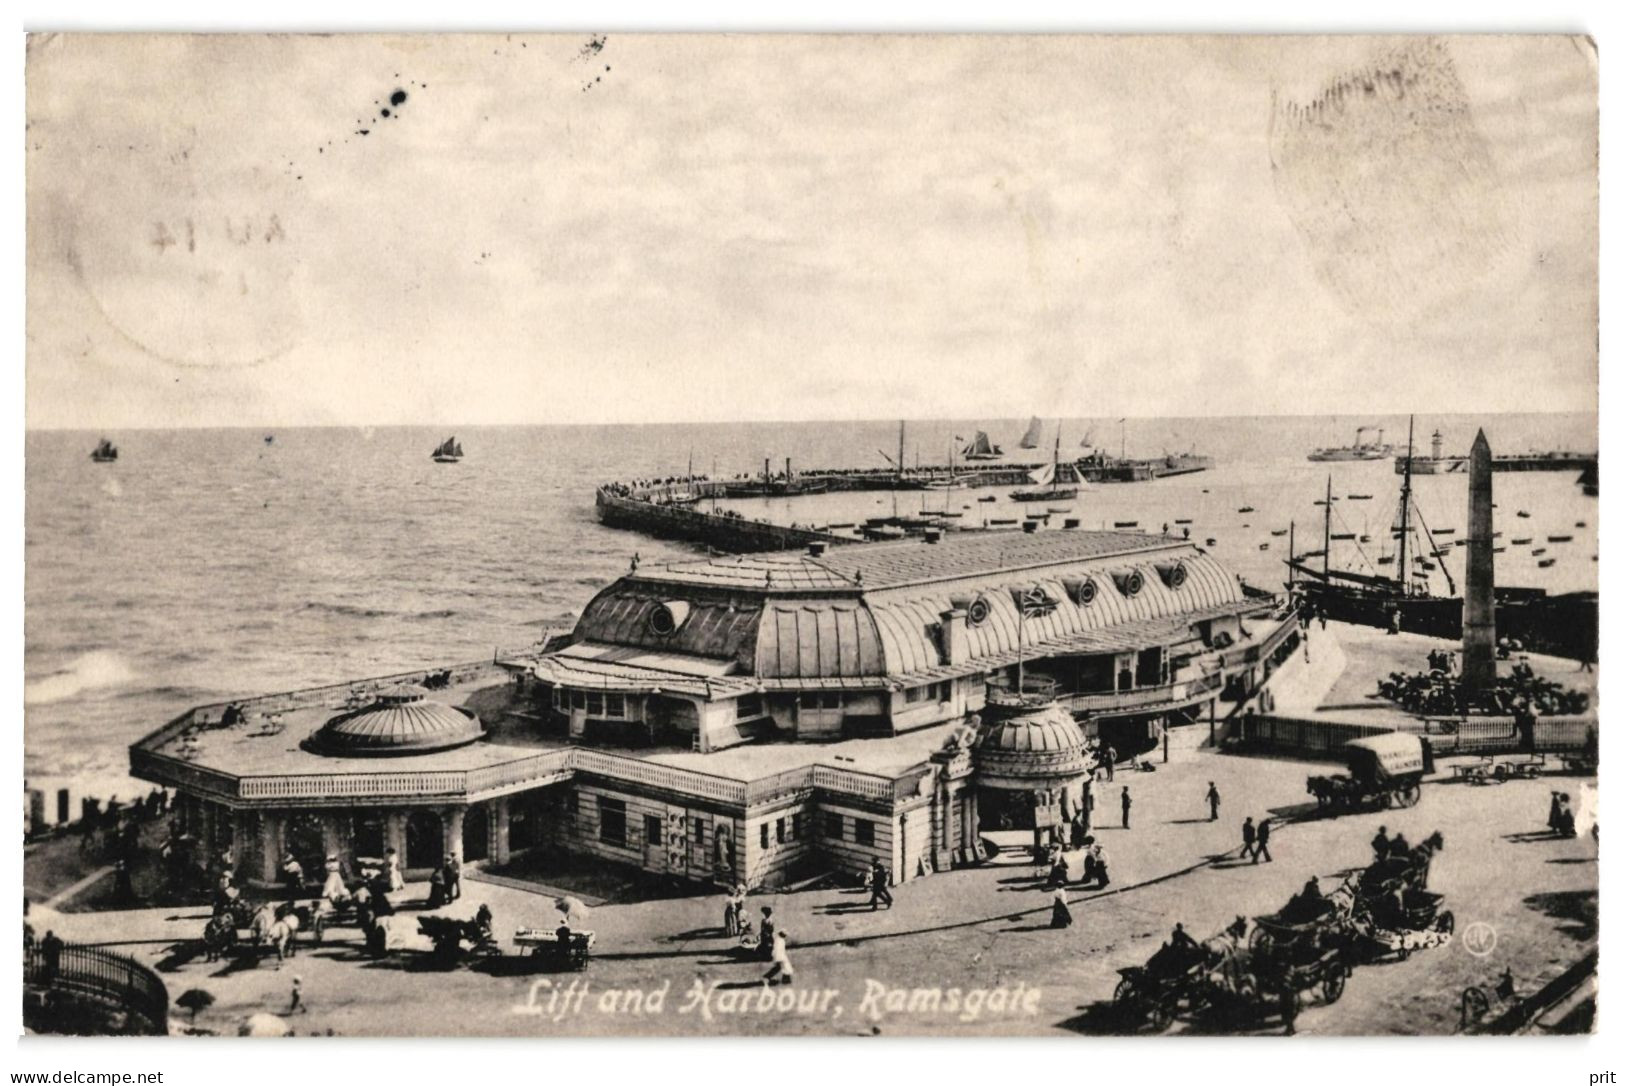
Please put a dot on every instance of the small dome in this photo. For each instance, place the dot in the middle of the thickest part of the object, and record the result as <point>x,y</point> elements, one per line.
<point>400,720</point>
<point>1031,743</point>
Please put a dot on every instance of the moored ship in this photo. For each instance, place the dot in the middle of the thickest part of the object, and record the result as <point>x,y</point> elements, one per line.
<point>105,452</point>
<point>1360,450</point>
<point>448,451</point>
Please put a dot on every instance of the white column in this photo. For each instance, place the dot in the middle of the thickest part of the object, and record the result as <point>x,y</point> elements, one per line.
<point>451,821</point>
<point>497,820</point>
<point>270,846</point>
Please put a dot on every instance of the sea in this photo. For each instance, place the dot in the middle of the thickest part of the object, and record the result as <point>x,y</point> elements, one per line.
<point>210,564</point>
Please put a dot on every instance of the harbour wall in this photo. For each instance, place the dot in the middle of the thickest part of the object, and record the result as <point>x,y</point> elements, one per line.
<point>724,532</point>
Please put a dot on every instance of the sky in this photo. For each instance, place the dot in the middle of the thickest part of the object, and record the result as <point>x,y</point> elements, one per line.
<point>229,230</point>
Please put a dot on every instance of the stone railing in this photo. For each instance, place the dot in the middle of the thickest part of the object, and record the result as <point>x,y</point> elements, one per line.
<point>670,778</point>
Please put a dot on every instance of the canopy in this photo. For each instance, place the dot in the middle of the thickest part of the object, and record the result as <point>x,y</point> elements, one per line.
<point>1394,753</point>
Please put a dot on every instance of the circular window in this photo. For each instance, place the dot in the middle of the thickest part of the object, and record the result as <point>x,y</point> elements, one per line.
<point>1129,583</point>
<point>1176,576</point>
<point>977,612</point>
<point>667,617</point>
<point>1087,591</point>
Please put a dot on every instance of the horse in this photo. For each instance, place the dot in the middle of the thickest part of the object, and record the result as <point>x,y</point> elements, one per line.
<point>219,935</point>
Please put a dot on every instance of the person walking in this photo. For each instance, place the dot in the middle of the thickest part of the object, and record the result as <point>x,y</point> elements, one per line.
<point>730,911</point>
<point>1109,759</point>
<point>781,972</point>
<point>454,878</point>
<point>1212,802</point>
<point>1379,844</point>
<point>392,860</point>
<point>878,891</point>
<point>764,944</point>
<point>1249,835</point>
<point>1060,914</point>
<point>296,1000</point>
<point>1127,801</point>
<point>1098,852</point>
<point>1263,846</point>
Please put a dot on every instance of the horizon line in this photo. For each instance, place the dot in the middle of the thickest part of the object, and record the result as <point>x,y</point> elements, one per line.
<point>759,422</point>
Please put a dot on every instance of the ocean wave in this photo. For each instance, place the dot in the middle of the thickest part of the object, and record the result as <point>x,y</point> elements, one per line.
<point>349,610</point>
<point>96,670</point>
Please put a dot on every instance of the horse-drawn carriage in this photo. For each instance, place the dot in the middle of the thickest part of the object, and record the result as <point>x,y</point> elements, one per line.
<point>1175,980</point>
<point>449,933</point>
<point>238,927</point>
<point>563,949</point>
<point>1394,913</point>
<point>1384,770</point>
<point>1300,950</point>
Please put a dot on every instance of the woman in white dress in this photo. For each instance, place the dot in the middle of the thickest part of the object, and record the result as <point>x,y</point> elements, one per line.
<point>396,882</point>
<point>333,888</point>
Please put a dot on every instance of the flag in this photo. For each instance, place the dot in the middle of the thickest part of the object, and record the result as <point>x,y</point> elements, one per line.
<point>1032,602</point>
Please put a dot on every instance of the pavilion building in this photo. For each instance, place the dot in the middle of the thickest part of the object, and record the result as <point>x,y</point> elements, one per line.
<point>750,718</point>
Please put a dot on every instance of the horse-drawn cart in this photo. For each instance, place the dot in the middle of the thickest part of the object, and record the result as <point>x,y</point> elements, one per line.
<point>564,949</point>
<point>239,927</point>
<point>1384,770</point>
<point>1173,981</point>
<point>448,934</point>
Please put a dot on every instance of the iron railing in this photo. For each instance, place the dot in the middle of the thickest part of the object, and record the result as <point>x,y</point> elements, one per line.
<point>101,975</point>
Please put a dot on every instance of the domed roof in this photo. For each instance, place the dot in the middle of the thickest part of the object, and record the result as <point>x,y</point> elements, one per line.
<point>400,721</point>
<point>1030,743</point>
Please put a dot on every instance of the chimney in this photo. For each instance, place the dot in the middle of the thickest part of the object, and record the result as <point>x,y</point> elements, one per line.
<point>953,638</point>
<point>787,467</point>
<point>816,548</point>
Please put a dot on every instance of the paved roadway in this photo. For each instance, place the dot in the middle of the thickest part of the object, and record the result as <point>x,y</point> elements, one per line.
<point>981,929</point>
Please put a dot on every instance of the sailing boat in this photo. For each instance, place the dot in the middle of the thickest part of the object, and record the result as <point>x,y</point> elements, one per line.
<point>982,449</point>
<point>105,452</point>
<point>1372,599</point>
<point>448,451</point>
<point>1046,486</point>
<point>1564,624</point>
<point>1035,431</point>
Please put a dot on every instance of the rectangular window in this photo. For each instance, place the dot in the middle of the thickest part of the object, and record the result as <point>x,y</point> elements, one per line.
<point>578,699</point>
<point>612,822</point>
<point>750,706</point>
<point>615,705</point>
<point>651,829</point>
<point>595,705</point>
<point>699,834</point>
<point>795,826</point>
<point>945,691</point>
<point>863,831</point>
<point>834,826</point>
<point>572,802</point>
<point>914,694</point>
<point>778,831</point>
<point>764,834</point>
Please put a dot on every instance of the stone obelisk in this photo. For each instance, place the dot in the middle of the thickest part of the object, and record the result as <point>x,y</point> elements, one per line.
<point>1478,613</point>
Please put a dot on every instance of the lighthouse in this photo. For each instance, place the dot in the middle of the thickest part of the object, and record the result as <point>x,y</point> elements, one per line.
<point>1478,613</point>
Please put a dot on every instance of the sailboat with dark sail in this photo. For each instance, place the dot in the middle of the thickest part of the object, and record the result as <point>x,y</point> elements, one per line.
<point>105,452</point>
<point>1564,624</point>
<point>1047,486</point>
<point>1034,434</point>
<point>448,451</point>
<point>981,448</point>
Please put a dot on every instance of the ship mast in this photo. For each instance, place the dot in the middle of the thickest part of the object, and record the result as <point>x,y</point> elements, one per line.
<point>1405,510</point>
<point>1326,555</point>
